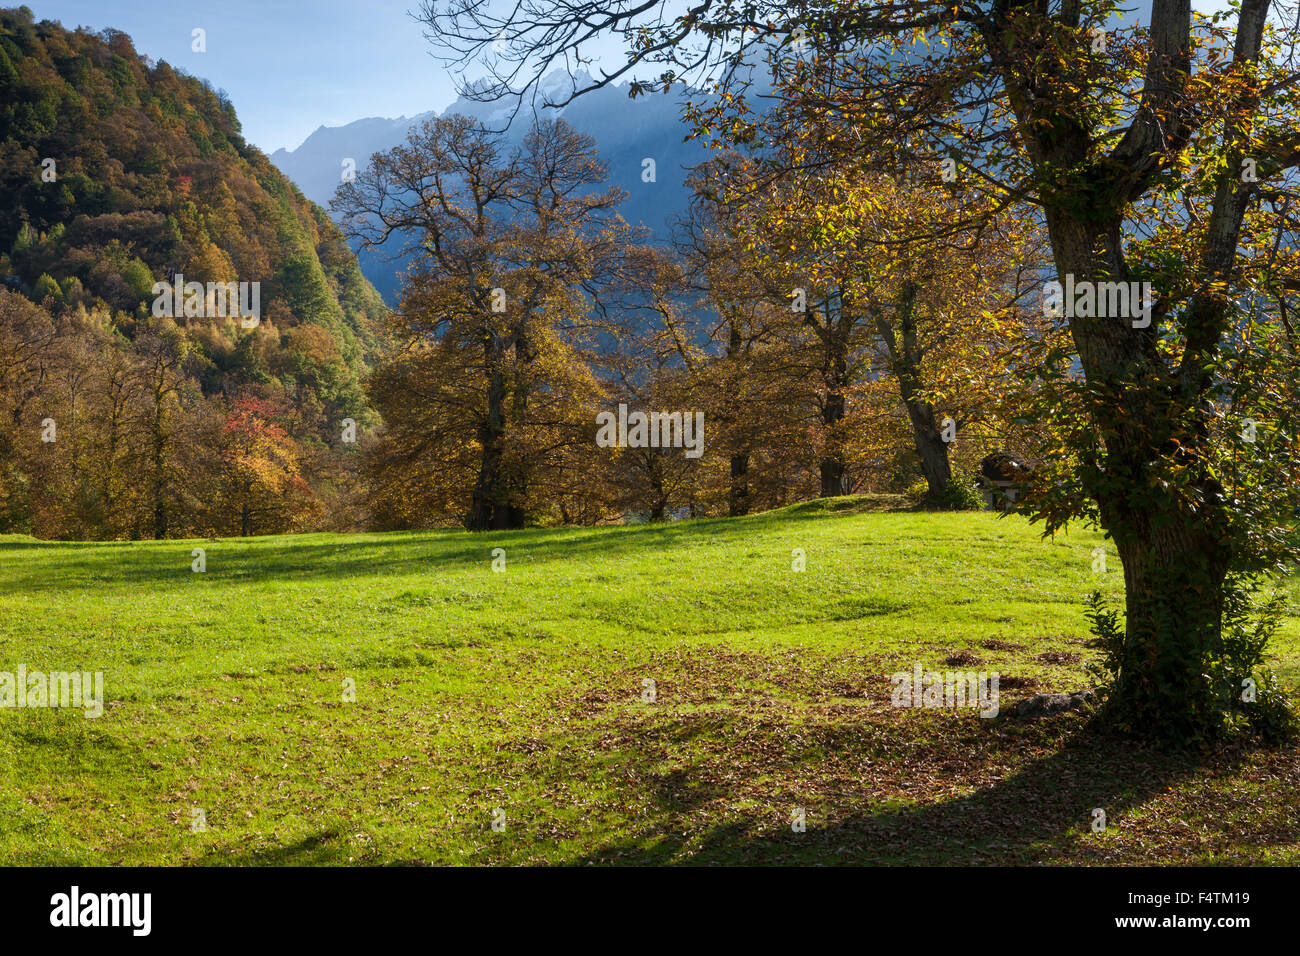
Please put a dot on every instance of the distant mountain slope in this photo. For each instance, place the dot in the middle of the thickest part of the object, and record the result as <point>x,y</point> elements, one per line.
<point>627,132</point>
<point>117,172</point>
<point>317,165</point>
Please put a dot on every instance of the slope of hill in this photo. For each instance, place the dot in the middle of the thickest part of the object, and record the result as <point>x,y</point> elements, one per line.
<point>118,172</point>
<point>627,133</point>
<point>117,420</point>
<point>632,694</point>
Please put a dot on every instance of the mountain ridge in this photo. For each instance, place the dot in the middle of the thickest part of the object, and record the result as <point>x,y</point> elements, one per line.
<point>627,133</point>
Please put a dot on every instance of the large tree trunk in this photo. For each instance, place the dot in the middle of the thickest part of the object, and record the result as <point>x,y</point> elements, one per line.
<point>491,434</point>
<point>1173,581</point>
<point>738,500</point>
<point>930,446</point>
<point>482,508</point>
<point>834,481</point>
<point>906,356</point>
<point>159,483</point>
<point>508,517</point>
<point>490,504</point>
<point>1174,563</point>
<point>934,456</point>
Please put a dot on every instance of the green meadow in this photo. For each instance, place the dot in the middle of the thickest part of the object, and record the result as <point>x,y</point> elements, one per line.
<point>641,694</point>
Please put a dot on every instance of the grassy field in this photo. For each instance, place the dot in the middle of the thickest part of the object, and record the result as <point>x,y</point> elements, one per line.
<point>522,691</point>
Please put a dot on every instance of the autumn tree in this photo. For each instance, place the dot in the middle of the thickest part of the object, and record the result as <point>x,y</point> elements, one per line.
<point>765,405</point>
<point>162,377</point>
<point>260,467</point>
<point>28,342</point>
<point>490,381</point>
<point>938,313</point>
<point>832,250</point>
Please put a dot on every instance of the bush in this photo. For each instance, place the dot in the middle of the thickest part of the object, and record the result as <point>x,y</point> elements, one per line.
<point>1241,694</point>
<point>959,494</point>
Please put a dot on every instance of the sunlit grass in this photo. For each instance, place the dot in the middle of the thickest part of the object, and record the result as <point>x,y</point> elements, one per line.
<point>522,691</point>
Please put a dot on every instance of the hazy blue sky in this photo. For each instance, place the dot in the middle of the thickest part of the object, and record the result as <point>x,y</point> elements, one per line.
<point>288,66</point>
<point>293,65</point>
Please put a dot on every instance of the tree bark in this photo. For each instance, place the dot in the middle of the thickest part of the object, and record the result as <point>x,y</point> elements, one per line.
<point>934,454</point>
<point>834,482</point>
<point>738,500</point>
<point>1175,564</point>
<point>490,504</point>
<point>159,485</point>
<point>906,355</point>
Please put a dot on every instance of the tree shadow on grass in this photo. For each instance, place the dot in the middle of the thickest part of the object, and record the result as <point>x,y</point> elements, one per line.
<point>1040,814</point>
<point>323,848</point>
<point>50,566</point>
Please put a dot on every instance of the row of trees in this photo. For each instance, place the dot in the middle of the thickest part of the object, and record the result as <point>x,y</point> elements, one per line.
<point>823,360</point>
<point>110,437</point>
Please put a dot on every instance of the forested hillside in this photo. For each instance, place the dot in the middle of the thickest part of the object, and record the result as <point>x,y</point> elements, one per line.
<point>119,173</point>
